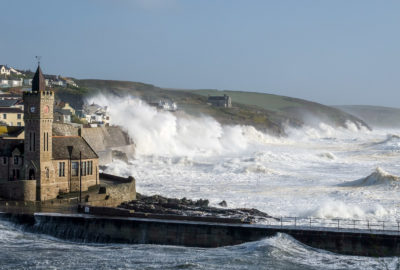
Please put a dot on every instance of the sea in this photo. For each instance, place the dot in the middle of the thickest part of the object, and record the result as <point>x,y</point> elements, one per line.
<point>319,171</point>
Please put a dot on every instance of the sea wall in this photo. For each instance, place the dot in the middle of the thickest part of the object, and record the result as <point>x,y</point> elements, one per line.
<point>114,190</point>
<point>20,190</point>
<point>102,229</point>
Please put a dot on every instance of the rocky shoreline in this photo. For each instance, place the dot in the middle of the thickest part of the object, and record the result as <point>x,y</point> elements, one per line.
<point>157,204</point>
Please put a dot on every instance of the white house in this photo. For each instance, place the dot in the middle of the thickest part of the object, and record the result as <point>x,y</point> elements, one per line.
<point>4,83</point>
<point>27,82</point>
<point>4,70</point>
<point>96,115</point>
<point>15,82</point>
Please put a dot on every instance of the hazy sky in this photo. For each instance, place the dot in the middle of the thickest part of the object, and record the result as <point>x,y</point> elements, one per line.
<point>329,51</point>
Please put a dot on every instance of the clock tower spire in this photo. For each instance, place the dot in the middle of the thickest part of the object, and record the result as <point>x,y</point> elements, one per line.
<point>38,116</point>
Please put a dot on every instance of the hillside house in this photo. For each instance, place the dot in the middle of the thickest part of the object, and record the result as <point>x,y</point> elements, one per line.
<point>4,70</point>
<point>27,82</point>
<point>220,101</point>
<point>62,116</point>
<point>11,117</point>
<point>96,115</point>
<point>4,83</point>
<point>64,106</point>
<point>165,105</point>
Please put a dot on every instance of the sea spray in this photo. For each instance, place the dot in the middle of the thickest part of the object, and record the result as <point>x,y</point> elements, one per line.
<point>298,175</point>
<point>163,133</point>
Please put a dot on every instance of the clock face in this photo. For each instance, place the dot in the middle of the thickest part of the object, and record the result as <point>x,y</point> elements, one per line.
<point>32,109</point>
<point>46,109</point>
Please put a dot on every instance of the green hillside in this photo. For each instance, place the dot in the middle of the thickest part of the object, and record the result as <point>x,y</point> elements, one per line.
<point>267,112</point>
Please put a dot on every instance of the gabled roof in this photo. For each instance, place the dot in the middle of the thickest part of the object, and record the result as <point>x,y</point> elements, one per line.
<point>60,148</point>
<point>9,146</point>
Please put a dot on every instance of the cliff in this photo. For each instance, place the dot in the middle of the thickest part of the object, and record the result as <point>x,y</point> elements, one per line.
<point>108,142</point>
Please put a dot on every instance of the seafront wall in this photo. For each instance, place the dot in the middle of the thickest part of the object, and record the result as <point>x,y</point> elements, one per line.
<point>100,229</point>
<point>112,195</point>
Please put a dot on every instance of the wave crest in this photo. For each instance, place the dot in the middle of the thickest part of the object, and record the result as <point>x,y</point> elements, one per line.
<point>378,177</point>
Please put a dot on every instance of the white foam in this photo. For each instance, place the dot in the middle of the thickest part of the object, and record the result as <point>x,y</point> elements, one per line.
<point>378,177</point>
<point>338,209</point>
<point>196,157</point>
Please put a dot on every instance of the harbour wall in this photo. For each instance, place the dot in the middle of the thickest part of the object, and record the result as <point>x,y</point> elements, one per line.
<point>100,229</point>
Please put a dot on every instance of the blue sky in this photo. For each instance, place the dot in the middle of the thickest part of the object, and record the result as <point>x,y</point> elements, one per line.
<point>329,51</point>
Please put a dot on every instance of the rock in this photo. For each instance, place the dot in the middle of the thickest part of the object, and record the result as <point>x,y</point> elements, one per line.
<point>202,203</point>
<point>119,155</point>
<point>223,204</point>
<point>185,207</point>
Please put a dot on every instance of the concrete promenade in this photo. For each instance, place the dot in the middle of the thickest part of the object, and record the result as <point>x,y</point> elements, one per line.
<point>102,229</point>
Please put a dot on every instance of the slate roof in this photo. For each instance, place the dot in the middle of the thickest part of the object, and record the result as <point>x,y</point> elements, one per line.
<point>11,110</point>
<point>8,102</point>
<point>8,147</point>
<point>38,81</point>
<point>63,112</point>
<point>60,148</point>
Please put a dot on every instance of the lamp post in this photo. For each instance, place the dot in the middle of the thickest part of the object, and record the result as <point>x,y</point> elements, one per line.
<point>70,148</point>
<point>80,177</point>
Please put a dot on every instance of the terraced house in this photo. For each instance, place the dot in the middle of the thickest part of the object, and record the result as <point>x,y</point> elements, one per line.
<point>41,166</point>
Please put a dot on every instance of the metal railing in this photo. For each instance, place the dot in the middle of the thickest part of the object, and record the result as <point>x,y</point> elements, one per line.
<point>336,224</point>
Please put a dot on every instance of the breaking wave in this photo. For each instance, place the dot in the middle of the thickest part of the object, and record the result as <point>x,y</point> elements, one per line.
<point>332,209</point>
<point>391,143</point>
<point>163,133</point>
<point>378,177</point>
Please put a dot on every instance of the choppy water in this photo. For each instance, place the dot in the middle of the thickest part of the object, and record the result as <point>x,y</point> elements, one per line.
<point>23,250</point>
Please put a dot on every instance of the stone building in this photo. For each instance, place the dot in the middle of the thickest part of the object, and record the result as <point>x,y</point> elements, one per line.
<point>220,101</point>
<point>51,165</point>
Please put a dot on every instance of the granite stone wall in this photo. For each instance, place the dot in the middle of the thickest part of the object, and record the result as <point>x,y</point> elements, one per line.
<point>21,190</point>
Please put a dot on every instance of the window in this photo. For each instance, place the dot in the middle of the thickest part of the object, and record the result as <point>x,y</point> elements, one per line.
<point>61,169</point>
<point>4,116</point>
<point>15,160</point>
<point>90,168</point>
<point>34,141</point>
<point>15,174</point>
<point>74,170</point>
<point>83,172</point>
<point>4,160</point>
<point>19,116</point>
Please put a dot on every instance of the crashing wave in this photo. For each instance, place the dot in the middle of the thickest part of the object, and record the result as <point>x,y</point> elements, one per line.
<point>258,169</point>
<point>392,142</point>
<point>378,177</point>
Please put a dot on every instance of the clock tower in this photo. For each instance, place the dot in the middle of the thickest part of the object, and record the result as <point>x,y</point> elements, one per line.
<point>38,117</point>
